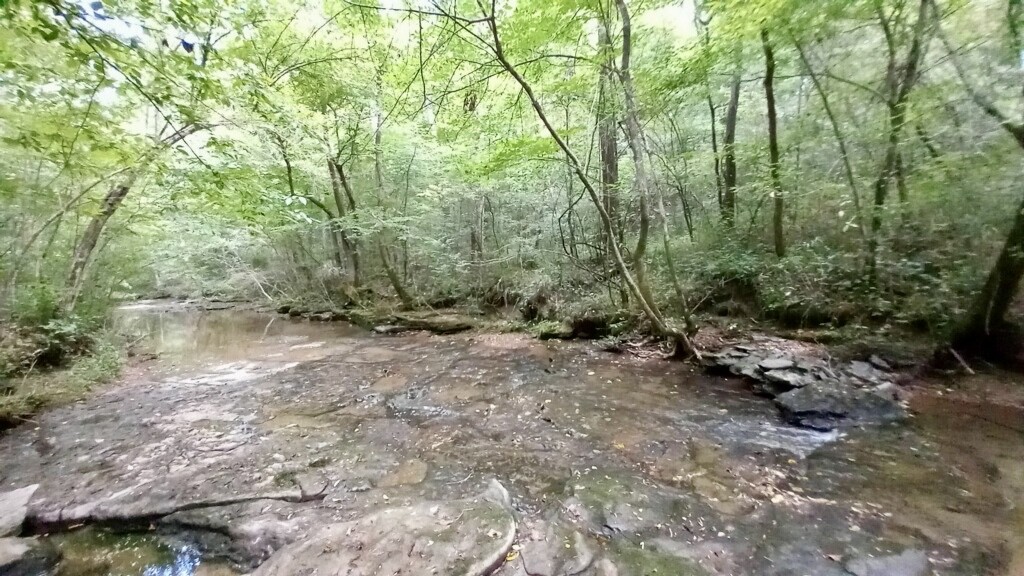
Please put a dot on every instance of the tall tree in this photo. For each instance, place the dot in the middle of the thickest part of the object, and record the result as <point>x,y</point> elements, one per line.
<point>778,234</point>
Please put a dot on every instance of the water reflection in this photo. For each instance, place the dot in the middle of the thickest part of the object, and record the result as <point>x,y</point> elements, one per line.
<point>185,563</point>
<point>182,334</point>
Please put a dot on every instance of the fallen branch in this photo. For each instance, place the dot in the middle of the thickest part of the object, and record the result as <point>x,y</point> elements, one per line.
<point>139,513</point>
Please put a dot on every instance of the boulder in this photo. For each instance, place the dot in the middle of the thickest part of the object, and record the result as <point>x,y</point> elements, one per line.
<point>470,537</point>
<point>827,405</point>
<point>14,508</point>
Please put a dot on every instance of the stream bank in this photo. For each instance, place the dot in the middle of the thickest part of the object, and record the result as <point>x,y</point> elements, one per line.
<point>614,464</point>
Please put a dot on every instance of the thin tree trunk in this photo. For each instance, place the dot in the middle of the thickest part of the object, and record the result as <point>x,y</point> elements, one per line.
<point>385,254</point>
<point>900,89</point>
<point>339,185</point>
<point>844,154</point>
<point>650,312</point>
<point>714,150</point>
<point>609,158</point>
<point>729,150</point>
<point>83,252</point>
<point>642,180</point>
<point>773,146</point>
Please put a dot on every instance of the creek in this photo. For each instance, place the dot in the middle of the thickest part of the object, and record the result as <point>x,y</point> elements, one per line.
<point>659,467</point>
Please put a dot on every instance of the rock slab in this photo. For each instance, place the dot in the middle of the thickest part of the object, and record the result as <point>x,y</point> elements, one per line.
<point>14,508</point>
<point>468,537</point>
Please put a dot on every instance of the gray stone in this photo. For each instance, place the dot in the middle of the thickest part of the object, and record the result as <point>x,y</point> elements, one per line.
<point>886,390</point>
<point>13,508</point>
<point>13,550</point>
<point>787,378</point>
<point>776,363</point>
<point>864,371</point>
<point>390,329</point>
<point>878,362</point>
<point>909,563</point>
<point>829,405</point>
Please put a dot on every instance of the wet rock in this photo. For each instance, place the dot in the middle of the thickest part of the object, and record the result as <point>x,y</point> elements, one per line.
<point>284,308</point>
<point>787,378</point>
<point>887,390</point>
<point>14,508</point>
<point>412,403</point>
<point>363,486</point>
<point>27,557</point>
<point>776,363</point>
<point>13,550</point>
<point>864,371</point>
<point>829,405</point>
<point>470,537</point>
<point>909,563</point>
<point>409,472</point>
<point>390,329</point>
<point>436,323</point>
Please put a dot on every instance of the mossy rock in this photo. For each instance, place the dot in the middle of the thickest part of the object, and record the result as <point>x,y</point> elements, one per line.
<point>633,560</point>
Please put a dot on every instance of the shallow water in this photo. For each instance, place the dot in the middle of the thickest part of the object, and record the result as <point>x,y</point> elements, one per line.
<point>243,402</point>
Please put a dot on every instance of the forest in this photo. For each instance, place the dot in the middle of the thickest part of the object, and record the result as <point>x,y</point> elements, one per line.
<point>617,165</point>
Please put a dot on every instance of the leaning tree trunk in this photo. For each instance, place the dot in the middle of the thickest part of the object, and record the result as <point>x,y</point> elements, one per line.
<point>986,317</point>
<point>773,146</point>
<point>338,185</point>
<point>87,245</point>
<point>111,202</point>
<point>657,322</point>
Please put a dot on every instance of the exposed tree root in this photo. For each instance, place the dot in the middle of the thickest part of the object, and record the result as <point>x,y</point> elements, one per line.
<point>128,514</point>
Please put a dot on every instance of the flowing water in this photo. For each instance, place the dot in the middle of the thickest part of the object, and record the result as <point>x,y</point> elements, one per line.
<point>654,461</point>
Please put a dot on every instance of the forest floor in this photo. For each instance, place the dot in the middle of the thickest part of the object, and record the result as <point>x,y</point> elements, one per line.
<point>616,463</point>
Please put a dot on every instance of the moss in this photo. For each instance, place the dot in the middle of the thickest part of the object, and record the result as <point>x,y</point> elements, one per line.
<point>26,395</point>
<point>633,560</point>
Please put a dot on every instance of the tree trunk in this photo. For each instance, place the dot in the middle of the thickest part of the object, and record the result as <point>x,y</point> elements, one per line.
<point>642,181</point>
<point>408,302</point>
<point>714,150</point>
<point>339,186</point>
<point>113,200</point>
<point>844,155</point>
<point>385,254</point>
<point>986,318</point>
<point>899,92</point>
<point>83,252</point>
<point>729,160</point>
<point>773,146</point>
<point>609,158</point>
<point>657,322</point>
<point>981,331</point>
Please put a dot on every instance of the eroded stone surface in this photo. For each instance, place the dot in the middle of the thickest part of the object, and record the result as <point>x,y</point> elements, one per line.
<point>13,508</point>
<point>464,537</point>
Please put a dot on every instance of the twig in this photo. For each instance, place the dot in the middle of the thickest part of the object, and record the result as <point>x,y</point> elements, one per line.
<point>962,361</point>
